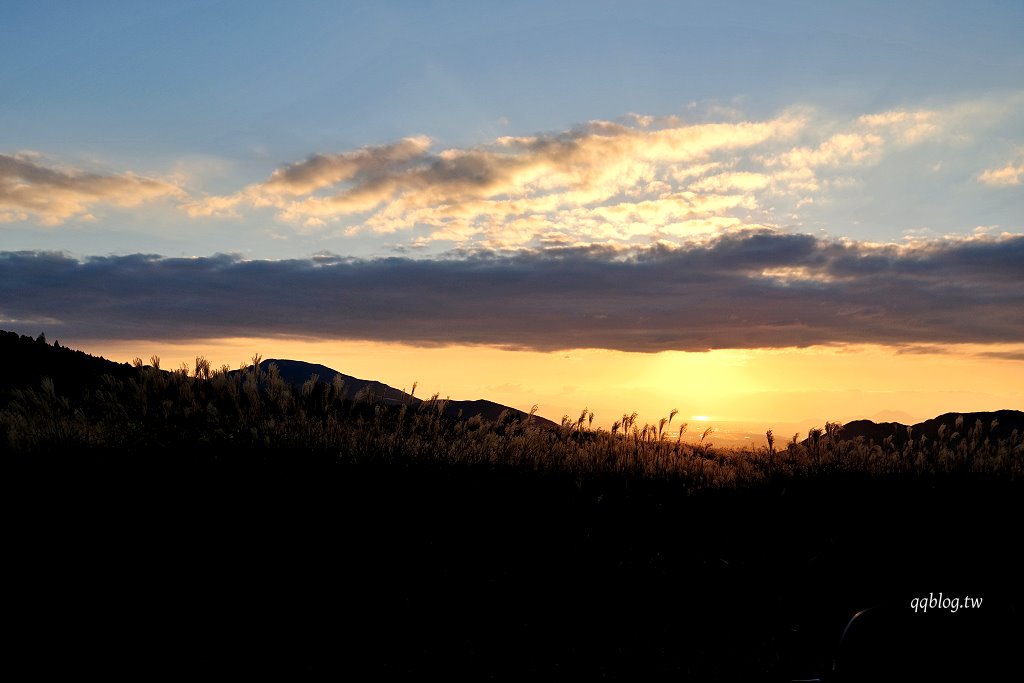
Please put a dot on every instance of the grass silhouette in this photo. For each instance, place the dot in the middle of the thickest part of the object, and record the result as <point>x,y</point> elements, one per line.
<point>203,519</point>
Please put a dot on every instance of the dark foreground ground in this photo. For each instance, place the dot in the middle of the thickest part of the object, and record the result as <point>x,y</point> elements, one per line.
<point>367,572</point>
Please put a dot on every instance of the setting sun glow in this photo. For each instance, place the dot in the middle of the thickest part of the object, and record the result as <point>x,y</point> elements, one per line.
<point>748,392</point>
<point>783,237</point>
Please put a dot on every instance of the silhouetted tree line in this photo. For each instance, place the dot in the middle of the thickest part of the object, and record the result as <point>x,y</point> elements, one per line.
<point>27,361</point>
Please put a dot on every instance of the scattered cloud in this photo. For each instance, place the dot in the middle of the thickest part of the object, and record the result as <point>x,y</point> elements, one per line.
<point>906,127</point>
<point>742,180</point>
<point>501,194</point>
<point>1011,174</point>
<point>752,289</point>
<point>630,182</point>
<point>31,190</point>
<point>365,165</point>
<point>627,183</point>
<point>865,141</point>
<point>1003,355</point>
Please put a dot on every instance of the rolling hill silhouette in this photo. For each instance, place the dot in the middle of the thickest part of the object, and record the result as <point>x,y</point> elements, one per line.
<point>297,373</point>
<point>29,360</point>
<point>995,424</point>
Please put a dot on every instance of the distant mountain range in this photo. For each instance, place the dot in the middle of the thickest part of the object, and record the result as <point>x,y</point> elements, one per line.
<point>28,360</point>
<point>995,424</point>
<point>297,373</point>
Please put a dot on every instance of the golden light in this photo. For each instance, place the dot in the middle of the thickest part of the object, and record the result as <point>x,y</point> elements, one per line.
<point>744,392</point>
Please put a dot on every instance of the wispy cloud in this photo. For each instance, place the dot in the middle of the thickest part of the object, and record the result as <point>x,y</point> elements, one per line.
<point>633,182</point>
<point>751,289</point>
<point>1011,174</point>
<point>636,181</point>
<point>498,194</point>
<point>30,190</point>
<point>317,172</point>
<point>862,142</point>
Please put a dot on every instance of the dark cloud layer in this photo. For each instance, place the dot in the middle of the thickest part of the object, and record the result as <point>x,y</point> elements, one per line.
<point>741,291</point>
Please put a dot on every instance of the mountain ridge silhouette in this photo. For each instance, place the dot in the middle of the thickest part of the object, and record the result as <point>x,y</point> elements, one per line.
<point>992,424</point>
<point>298,372</point>
<point>29,360</point>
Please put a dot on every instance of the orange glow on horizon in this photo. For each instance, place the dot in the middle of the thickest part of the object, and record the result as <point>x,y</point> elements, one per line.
<point>734,391</point>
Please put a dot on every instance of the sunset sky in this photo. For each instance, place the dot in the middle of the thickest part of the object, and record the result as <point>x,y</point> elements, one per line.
<point>765,214</point>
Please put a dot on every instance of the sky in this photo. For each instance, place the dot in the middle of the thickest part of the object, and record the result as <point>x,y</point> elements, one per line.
<point>762,214</point>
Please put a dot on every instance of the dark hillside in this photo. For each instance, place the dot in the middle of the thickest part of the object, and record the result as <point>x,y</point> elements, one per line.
<point>996,424</point>
<point>876,432</point>
<point>297,373</point>
<point>28,361</point>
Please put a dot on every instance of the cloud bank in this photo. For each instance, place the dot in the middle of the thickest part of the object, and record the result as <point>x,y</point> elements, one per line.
<point>30,189</point>
<point>749,290</point>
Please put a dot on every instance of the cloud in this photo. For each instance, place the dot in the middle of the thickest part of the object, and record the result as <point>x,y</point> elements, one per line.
<point>368,167</point>
<point>723,182</point>
<point>30,190</point>
<point>325,170</point>
<point>752,289</point>
<point>1003,355</point>
<point>863,142</point>
<point>483,192</point>
<point>634,181</point>
<point>1011,174</point>
<point>907,127</point>
<point>839,149</point>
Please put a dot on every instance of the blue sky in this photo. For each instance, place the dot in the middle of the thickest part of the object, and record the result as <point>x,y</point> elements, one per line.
<point>215,96</point>
<point>491,142</point>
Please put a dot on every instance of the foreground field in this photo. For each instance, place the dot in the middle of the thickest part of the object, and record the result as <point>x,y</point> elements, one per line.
<point>198,521</point>
<point>477,571</point>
